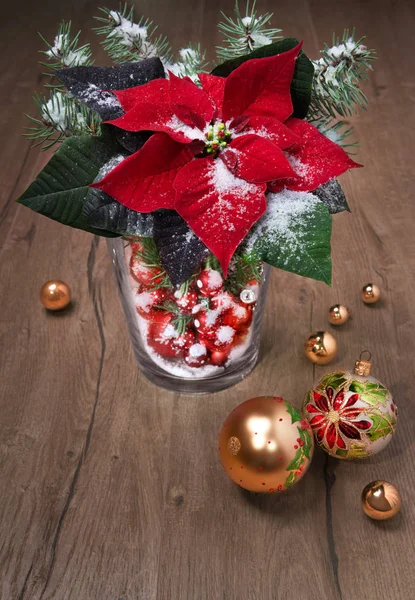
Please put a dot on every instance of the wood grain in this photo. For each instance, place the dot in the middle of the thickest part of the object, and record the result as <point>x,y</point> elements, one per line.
<point>111,489</point>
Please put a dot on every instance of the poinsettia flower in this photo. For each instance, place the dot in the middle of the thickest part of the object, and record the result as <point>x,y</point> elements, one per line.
<point>217,149</point>
<point>336,417</point>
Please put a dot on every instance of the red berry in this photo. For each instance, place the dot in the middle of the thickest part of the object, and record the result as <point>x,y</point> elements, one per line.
<point>143,274</point>
<point>146,300</point>
<point>239,316</point>
<point>206,322</point>
<point>222,339</point>
<point>136,246</point>
<point>209,282</point>
<point>185,340</point>
<point>161,336</point>
<point>196,355</point>
<point>186,302</point>
<point>219,357</point>
<point>240,337</point>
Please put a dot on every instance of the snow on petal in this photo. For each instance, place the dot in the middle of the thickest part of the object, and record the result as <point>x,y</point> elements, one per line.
<point>316,161</point>
<point>256,159</point>
<point>272,130</point>
<point>144,180</point>
<point>219,207</point>
<point>261,86</point>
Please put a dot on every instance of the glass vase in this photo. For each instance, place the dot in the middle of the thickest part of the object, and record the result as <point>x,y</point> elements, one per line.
<point>199,338</point>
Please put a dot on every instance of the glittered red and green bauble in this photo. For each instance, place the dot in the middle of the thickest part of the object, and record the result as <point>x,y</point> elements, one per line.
<point>352,415</point>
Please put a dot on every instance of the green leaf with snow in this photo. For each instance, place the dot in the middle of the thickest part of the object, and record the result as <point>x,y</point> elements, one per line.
<point>293,235</point>
<point>60,190</point>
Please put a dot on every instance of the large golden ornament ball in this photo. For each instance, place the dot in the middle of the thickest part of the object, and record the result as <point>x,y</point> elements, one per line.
<point>321,347</point>
<point>265,445</point>
<point>338,314</point>
<point>370,293</point>
<point>381,500</point>
<point>55,295</point>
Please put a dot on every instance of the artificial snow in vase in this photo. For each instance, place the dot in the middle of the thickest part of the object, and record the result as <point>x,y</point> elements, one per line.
<point>199,338</point>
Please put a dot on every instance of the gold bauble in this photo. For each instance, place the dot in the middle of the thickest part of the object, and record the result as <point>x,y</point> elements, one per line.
<point>265,445</point>
<point>55,295</point>
<point>381,500</point>
<point>338,314</point>
<point>370,293</point>
<point>321,347</point>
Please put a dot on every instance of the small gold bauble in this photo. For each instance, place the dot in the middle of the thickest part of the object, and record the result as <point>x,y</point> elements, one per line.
<point>265,445</point>
<point>321,347</point>
<point>381,500</point>
<point>55,295</point>
<point>370,293</point>
<point>338,314</point>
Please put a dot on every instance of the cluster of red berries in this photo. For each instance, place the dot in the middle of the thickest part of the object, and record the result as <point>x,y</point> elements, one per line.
<point>216,320</point>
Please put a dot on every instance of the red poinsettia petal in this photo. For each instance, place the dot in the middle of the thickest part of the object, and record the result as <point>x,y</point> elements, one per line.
<point>331,435</point>
<point>153,92</point>
<point>149,110</point>
<point>317,420</point>
<point>351,413</point>
<point>144,180</point>
<point>338,401</point>
<point>316,161</point>
<point>261,87</point>
<point>219,207</point>
<point>256,159</point>
<point>312,409</point>
<point>214,87</point>
<point>349,431</point>
<point>362,424</point>
<point>272,130</point>
<point>320,432</point>
<point>321,402</point>
<point>330,393</point>
<point>340,442</point>
<point>189,103</point>
<point>351,400</point>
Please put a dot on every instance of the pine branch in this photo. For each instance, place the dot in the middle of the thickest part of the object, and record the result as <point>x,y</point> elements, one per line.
<point>126,41</point>
<point>339,132</point>
<point>191,62</point>
<point>60,117</point>
<point>65,51</point>
<point>245,34</point>
<point>337,78</point>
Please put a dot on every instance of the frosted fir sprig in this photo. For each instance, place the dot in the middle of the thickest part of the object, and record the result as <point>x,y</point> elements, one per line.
<point>339,132</point>
<point>60,117</point>
<point>243,34</point>
<point>337,77</point>
<point>191,62</point>
<point>65,52</point>
<point>126,41</point>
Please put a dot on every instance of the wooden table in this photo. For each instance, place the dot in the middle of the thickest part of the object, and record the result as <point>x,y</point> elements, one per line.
<point>111,489</point>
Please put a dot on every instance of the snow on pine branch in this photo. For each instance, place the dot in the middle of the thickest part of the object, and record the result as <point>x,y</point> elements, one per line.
<point>127,41</point>
<point>243,34</point>
<point>65,51</point>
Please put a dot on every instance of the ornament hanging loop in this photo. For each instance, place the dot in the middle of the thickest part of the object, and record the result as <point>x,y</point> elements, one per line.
<point>363,366</point>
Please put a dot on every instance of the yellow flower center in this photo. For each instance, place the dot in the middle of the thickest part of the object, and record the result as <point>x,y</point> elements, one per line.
<point>333,416</point>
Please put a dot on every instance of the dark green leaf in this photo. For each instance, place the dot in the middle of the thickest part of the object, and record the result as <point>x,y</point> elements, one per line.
<point>60,190</point>
<point>291,479</point>
<point>301,85</point>
<point>292,239</point>
<point>332,195</point>
<point>306,437</point>
<point>102,212</point>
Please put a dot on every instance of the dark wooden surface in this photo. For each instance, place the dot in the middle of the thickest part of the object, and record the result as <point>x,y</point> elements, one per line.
<point>111,489</point>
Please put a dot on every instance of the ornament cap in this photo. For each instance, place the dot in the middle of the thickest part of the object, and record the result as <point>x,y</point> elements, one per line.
<point>363,366</point>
